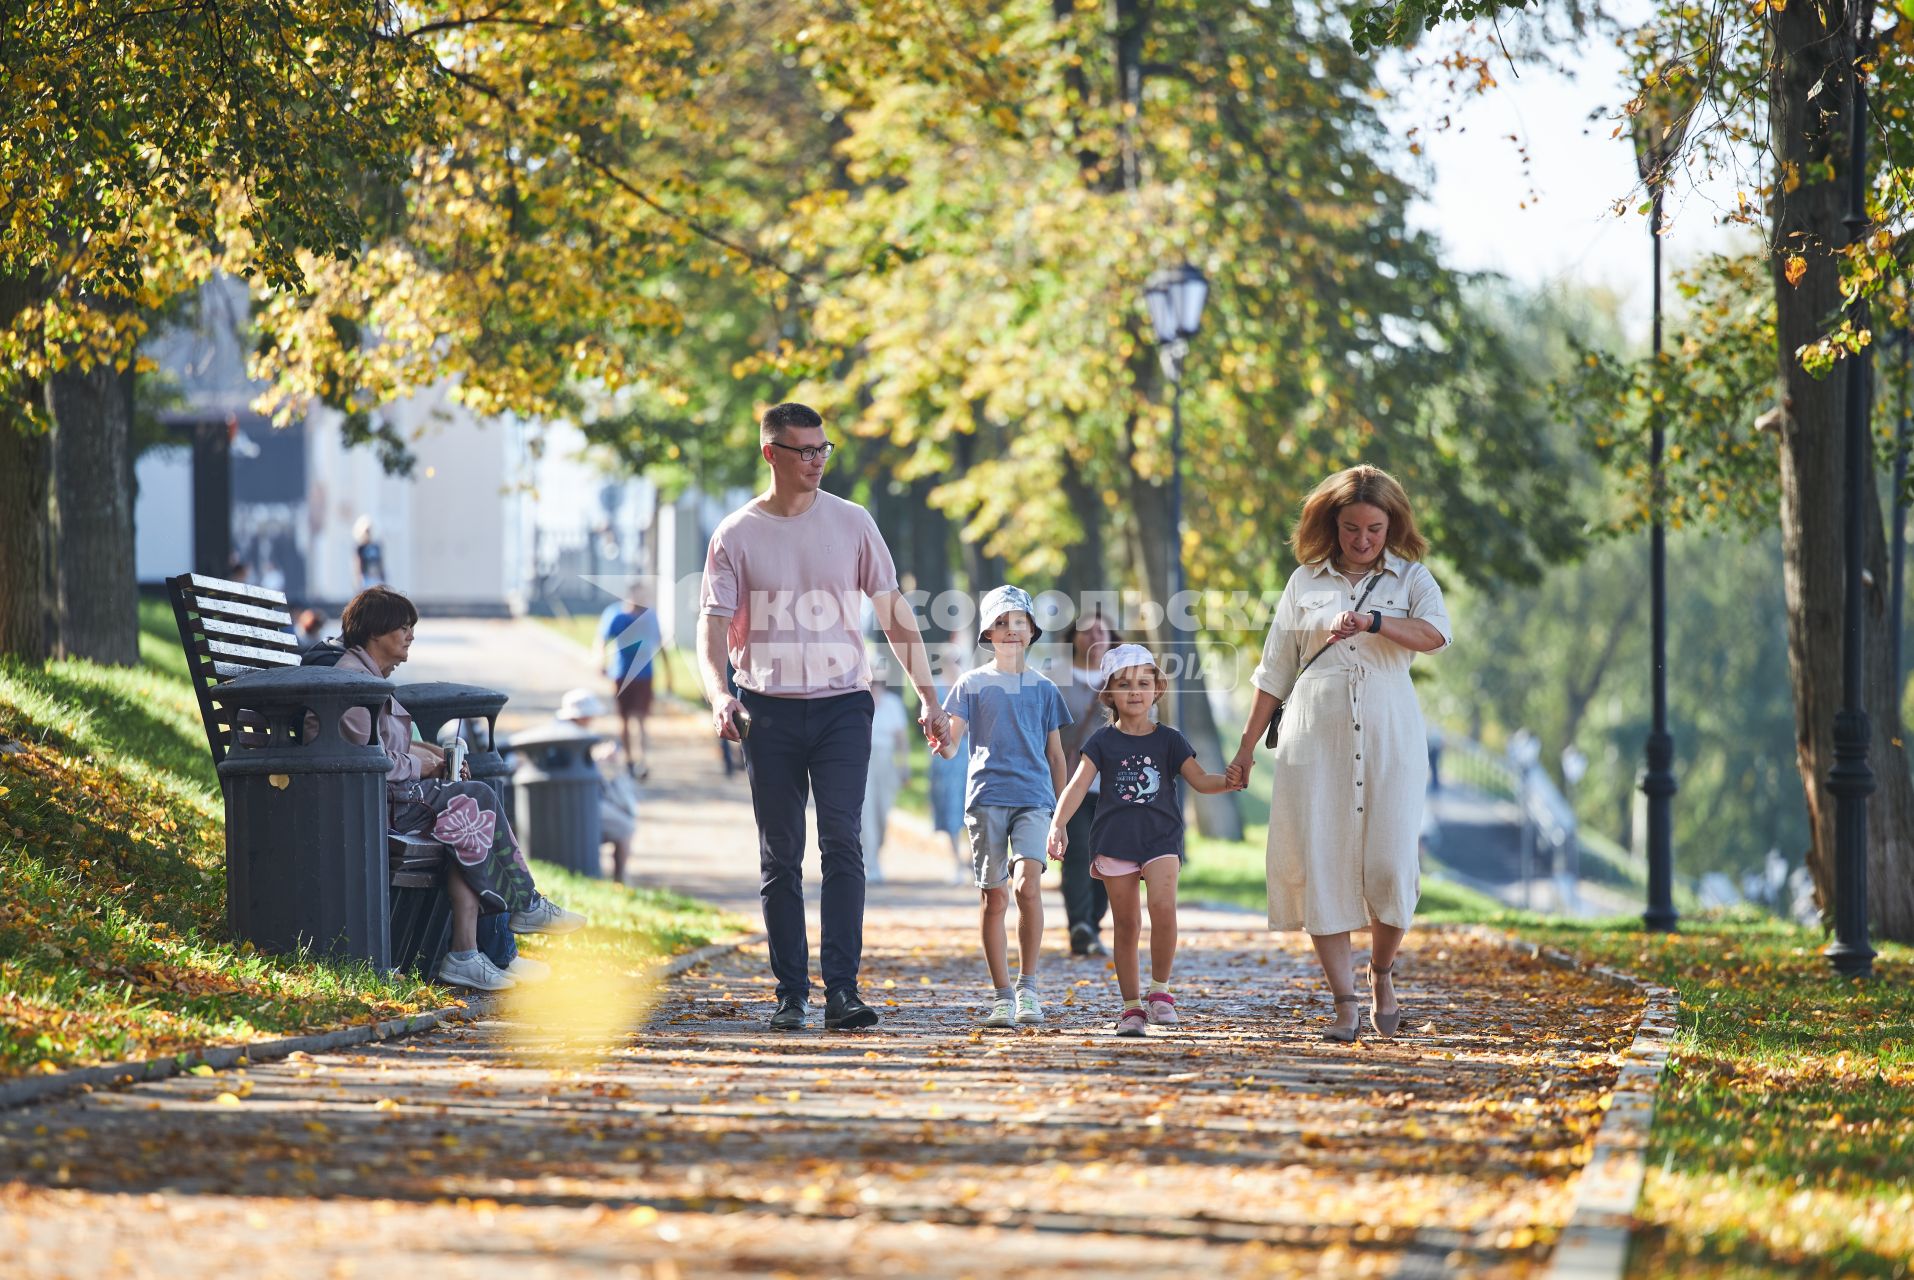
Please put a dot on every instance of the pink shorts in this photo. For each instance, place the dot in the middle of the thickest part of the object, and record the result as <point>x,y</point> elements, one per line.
<point>1104,867</point>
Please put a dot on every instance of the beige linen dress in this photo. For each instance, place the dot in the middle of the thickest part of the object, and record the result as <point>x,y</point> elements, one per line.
<point>1352,764</point>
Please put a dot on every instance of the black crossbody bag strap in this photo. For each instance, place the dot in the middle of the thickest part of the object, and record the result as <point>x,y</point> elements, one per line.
<point>1276,720</point>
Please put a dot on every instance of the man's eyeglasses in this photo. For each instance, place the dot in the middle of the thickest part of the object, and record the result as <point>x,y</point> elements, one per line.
<point>809,452</point>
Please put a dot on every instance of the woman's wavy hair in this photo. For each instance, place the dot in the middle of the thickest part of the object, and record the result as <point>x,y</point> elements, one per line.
<point>1314,538</point>
<point>374,612</point>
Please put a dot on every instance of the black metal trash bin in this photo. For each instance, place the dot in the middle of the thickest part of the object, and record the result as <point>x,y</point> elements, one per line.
<point>305,820</point>
<point>556,789</point>
<point>433,704</point>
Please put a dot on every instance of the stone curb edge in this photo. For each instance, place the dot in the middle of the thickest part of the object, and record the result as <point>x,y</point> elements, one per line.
<point>17,1093</point>
<point>1594,1244</point>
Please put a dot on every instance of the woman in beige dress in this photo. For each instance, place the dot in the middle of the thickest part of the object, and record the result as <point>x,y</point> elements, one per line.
<point>1352,761</point>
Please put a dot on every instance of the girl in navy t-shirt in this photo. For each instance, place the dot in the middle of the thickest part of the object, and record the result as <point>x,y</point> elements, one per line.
<point>1137,834</point>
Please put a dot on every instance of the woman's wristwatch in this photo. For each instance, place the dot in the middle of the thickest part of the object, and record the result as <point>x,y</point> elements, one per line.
<point>1375,621</point>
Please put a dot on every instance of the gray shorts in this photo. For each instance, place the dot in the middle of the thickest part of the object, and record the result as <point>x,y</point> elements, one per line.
<point>999,835</point>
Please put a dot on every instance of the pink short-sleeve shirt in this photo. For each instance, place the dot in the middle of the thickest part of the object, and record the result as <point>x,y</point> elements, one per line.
<point>794,588</point>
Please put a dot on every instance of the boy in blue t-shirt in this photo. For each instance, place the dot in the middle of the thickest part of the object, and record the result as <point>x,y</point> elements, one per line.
<point>629,638</point>
<point>1013,716</point>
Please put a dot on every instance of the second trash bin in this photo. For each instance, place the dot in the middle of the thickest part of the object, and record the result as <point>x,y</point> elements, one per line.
<point>555,789</point>
<point>434,704</point>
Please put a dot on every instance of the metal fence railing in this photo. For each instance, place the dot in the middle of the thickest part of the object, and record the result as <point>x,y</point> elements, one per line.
<point>1551,847</point>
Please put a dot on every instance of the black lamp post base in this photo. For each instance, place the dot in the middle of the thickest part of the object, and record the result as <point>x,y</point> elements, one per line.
<point>1851,780</point>
<point>1850,961</point>
<point>1658,784</point>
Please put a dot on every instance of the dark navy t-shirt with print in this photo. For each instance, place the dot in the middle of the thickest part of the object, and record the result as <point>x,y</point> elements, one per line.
<point>1140,807</point>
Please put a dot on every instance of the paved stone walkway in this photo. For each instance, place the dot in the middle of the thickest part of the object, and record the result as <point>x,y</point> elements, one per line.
<point>706,1145</point>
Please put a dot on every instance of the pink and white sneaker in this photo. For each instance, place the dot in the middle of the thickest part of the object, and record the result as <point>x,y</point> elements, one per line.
<point>1160,1009</point>
<point>1131,1023</point>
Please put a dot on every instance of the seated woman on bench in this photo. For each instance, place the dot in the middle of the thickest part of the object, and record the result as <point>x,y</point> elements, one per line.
<point>465,816</point>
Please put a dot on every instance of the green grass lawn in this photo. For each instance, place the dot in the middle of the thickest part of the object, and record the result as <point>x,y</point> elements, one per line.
<point>112,883</point>
<point>1783,1142</point>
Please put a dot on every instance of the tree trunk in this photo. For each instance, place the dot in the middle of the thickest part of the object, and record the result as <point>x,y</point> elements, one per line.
<point>981,571</point>
<point>1083,567</point>
<point>1812,50</point>
<point>929,540</point>
<point>26,465</point>
<point>94,584</point>
<point>26,461</point>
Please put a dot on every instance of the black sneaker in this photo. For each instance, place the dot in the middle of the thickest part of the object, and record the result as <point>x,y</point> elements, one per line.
<point>790,1014</point>
<point>1082,937</point>
<point>843,1011</point>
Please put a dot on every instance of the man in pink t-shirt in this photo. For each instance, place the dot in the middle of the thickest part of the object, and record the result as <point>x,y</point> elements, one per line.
<point>785,579</point>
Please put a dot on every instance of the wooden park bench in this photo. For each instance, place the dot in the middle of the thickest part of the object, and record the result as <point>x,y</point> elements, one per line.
<point>229,629</point>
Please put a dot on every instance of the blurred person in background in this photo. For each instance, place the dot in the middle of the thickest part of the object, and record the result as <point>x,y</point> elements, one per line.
<point>890,765</point>
<point>617,793</point>
<point>629,639</point>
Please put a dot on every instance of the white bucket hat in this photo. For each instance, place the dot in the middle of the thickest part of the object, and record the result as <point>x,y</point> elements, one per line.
<point>1121,656</point>
<point>581,704</point>
<point>1006,599</point>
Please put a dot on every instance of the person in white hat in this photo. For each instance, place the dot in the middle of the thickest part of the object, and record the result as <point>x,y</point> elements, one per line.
<point>1015,717</point>
<point>617,795</point>
<point>1136,837</point>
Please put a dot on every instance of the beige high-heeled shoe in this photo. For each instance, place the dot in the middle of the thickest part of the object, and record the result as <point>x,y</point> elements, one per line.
<point>1385,1023</point>
<point>1336,1035</point>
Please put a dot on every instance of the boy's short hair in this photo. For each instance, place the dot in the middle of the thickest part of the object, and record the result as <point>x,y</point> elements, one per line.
<point>780,418</point>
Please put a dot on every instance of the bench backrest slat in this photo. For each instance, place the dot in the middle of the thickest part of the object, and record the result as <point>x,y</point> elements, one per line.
<point>240,633</point>
<point>233,611</point>
<point>226,670</point>
<point>250,654</point>
<point>226,589</point>
<point>251,613</point>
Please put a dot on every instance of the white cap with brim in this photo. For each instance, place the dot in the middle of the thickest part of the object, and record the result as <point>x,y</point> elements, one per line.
<point>1121,656</point>
<point>581,704</point>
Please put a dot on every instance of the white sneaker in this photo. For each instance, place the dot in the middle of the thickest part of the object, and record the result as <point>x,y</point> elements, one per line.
<point>1029,1008</point>
<point>999,1014</point>
<point>546,916</point>
<point>475,971</point>
<point>526,969</point>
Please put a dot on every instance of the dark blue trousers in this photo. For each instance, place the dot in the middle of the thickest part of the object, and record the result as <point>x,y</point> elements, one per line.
<point>799,749</point>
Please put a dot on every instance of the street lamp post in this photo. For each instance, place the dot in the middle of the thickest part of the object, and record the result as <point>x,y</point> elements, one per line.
<point>1175,298</point>
<point>1852,779</point>
<point>1658,129</point>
